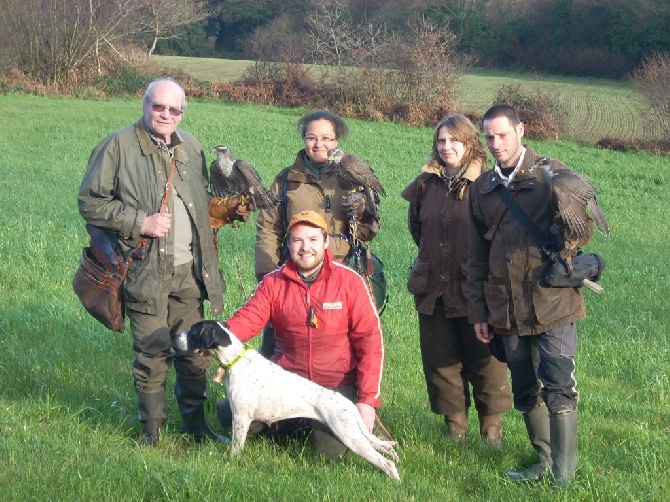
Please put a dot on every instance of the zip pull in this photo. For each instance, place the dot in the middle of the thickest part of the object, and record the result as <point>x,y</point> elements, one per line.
<point>328,203</point>
<point>312,321</point>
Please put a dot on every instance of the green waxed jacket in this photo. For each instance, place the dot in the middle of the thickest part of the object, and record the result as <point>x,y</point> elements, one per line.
<point>124,182</point>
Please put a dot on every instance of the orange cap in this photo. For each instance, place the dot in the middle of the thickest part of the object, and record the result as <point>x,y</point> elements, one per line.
<point>310,218</point>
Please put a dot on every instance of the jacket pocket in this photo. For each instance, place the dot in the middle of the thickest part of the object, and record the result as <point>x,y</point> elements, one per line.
<point>497,301</point>
<point>419,278</point>
<point>554,304</point>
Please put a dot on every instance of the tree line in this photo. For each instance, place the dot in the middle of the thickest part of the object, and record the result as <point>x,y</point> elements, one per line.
<point>595,38</point>
<point>376,59</point>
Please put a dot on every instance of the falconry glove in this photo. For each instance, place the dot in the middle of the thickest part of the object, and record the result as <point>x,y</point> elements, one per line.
<point>354,204</point>
<point>227,210</point>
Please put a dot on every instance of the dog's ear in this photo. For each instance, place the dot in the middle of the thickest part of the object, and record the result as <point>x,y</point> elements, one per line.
<point>205,335</point>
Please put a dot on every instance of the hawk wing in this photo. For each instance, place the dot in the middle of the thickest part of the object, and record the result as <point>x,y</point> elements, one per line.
<point>574,194</point>
<point>358,172</point>
<point>248,176</point>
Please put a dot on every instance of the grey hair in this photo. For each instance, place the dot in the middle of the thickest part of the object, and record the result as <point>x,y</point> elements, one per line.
<point>148,94</point>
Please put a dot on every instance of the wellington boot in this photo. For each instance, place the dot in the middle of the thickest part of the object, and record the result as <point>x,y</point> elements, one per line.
<point>151,412</point>
<point>457,426</point>
<point>537,425</point>
<point>563,447</point>
<point>151,433</point>
<point>189,389</point>
<point>490,429</point>
<point>194,424</point>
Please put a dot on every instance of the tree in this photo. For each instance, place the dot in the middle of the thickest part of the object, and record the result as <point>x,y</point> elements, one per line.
<point>52,39</point>
<point>163,16</point>
<point>651,79</point>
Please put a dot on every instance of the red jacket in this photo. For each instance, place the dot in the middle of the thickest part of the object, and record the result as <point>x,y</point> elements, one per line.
<point>346,347</point>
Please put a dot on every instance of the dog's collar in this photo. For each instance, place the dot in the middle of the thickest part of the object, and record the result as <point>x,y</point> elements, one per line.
<point>237,358</point>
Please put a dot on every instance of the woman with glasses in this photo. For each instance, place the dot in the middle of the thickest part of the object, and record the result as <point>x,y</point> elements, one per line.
<point>452,357</point>
<point>311,183</point>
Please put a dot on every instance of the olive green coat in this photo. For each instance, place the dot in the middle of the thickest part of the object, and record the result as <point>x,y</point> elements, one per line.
<point>124,182</point>
<point>305,192</point>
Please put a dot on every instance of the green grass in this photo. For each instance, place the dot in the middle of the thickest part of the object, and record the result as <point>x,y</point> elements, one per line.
<point>68,418</point>
<point>593,108</point>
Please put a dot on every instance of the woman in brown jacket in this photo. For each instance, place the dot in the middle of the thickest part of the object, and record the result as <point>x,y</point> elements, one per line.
<point>452,357</point>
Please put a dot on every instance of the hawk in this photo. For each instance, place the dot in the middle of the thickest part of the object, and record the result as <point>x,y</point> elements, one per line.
<point>355,171</point>
<point>574,194</point>
<point>229,176</point>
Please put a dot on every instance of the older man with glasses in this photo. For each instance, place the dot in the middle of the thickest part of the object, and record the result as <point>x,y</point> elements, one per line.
<point>122,193</point>
<point>311,183</point>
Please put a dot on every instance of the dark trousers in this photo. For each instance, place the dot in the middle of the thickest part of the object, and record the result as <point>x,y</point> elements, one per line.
<point>453,359</point>
<point>180,305</point>
<point>542,368</point>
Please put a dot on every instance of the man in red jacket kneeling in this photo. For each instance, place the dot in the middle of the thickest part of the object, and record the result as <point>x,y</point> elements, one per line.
<point>326,326</point>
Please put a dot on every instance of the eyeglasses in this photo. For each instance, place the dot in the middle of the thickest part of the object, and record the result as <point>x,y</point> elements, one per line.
<point>175,112</point>
<point>323,139</point>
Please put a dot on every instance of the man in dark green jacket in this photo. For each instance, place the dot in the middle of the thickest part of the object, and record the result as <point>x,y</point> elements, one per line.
<point>507,295</point>
<point>164,292</point>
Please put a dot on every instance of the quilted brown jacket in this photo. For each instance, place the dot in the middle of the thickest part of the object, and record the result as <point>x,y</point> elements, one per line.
<point>438,220</point>
<point>505,283</point>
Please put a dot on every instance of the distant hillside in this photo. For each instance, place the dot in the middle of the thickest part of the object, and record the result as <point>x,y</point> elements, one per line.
<point>594,108</point>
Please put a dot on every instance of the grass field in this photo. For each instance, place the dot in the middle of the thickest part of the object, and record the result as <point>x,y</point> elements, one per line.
<point>68,417</point>
<point>594,108</point>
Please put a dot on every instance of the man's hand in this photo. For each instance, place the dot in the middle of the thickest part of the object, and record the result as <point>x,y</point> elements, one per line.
<point>482,332</point>
<point>223,211</point>
<point>156,225</point>
<point>368,414</point>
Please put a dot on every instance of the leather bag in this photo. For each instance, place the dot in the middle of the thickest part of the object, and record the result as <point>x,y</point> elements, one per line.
<point>98,283</point>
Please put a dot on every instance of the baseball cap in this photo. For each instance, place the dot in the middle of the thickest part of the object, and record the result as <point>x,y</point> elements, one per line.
<point>310,218</point>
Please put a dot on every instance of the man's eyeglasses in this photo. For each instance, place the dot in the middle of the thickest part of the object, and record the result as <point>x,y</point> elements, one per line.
<point>323,139</point>
<point>175,112</point>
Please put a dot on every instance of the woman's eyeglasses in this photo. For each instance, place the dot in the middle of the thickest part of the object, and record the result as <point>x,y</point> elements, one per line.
<point>323,139</point>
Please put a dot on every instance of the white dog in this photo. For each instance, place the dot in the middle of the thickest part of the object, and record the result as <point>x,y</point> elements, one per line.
<point>260,390</point>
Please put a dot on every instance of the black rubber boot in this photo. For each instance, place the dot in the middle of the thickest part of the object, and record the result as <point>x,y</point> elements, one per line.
<point>151,408</point>
<point>191,397</point>
<point>563,447</point>
<point>537,425</point>
<point>267,348</point>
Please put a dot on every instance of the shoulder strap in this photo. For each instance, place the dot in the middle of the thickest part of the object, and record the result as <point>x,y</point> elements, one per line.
<point>140,251</point>
<point>525,220</point>
<point>283,202</point>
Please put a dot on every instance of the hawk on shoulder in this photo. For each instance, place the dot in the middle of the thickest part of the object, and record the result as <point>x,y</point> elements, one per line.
<point>355,171</point>
<point>574,195</point>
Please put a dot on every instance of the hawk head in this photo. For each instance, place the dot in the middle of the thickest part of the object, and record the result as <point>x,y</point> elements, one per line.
<point>335,155</point>
<point>224,159</point>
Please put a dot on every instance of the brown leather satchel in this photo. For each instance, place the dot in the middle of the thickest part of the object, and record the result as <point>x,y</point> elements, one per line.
<point>98,282</point>
<point>99,279</point>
